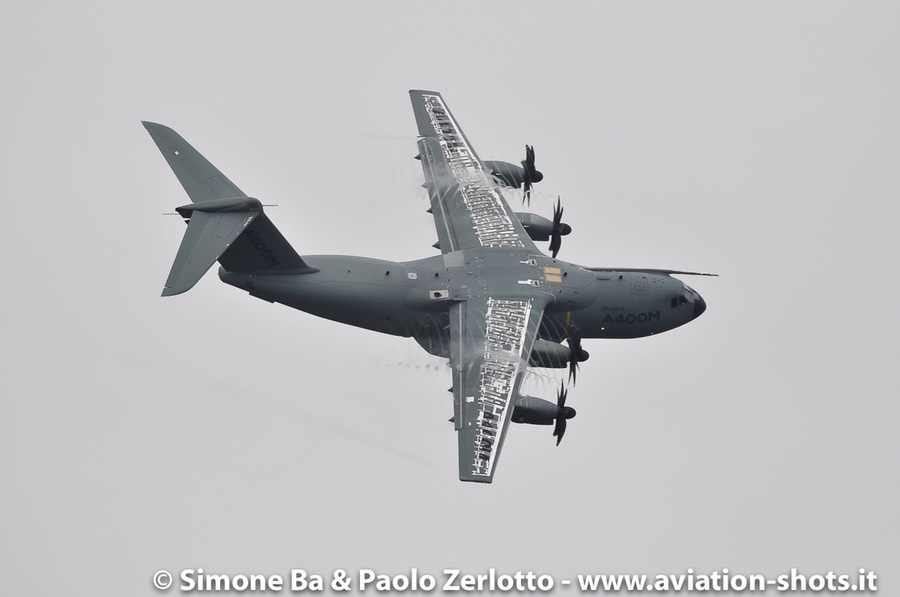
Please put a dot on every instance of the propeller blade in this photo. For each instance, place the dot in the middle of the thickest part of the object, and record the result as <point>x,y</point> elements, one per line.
<point>555,244</point>
<point>563,413</point>
<point>577,353</point>
<point>556,234</point>
<point>561,396</point>
<point>531,174</point>
<point>560,430</point>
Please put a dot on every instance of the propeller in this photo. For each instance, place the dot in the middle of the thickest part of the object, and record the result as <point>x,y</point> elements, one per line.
<point>531,174</point>
<point>578,354</point>
<point>563,413</point>
<point>559,229</point>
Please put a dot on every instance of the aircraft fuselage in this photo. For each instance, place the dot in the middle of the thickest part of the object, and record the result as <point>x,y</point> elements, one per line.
<point>412,298</point>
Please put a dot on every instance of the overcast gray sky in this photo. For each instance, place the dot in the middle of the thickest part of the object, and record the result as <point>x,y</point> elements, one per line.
<point>759,141</point>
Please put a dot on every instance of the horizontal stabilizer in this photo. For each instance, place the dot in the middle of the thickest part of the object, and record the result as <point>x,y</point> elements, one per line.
<point>209,234</point>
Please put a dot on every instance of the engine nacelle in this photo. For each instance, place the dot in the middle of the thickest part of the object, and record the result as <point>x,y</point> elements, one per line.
<point>534,411</point>
<point>506,174</point>
<point>537,227</point>
<point>552,355</point>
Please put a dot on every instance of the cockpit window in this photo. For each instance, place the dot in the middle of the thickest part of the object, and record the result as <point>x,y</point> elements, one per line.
<point>680,300</point>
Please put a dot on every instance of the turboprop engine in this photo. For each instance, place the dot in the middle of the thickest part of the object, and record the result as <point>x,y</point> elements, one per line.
<point>540,228</point>
<point>513,176</point>
<point>537,227</point>
<point>553,355</point>
<point>537,411</point>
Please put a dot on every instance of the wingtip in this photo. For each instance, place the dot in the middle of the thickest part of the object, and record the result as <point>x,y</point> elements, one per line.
<point>151,126</point>
<point>473,479</point>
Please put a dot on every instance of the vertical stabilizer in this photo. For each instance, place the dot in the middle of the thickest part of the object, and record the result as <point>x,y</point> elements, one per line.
<point>201,180</point>
<point>224,224</point>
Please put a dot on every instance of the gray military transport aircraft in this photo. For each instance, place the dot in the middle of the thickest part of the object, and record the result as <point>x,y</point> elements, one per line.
<point>492,302</point>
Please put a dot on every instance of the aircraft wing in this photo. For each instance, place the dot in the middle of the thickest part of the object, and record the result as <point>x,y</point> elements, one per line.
<point>469,211</point>
<point>490,340</point>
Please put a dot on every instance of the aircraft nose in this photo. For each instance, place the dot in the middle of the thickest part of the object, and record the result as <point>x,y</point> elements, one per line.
<point>699,307</point>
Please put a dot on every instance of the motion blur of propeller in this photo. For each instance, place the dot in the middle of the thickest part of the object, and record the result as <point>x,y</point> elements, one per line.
<point>531,175</point>
<point>559,229</point>
<point>578,353</point>
<point>563,413</point>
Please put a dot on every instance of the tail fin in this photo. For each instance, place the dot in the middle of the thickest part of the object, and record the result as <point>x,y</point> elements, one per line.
<point>201,180</point>
<point>224,224</point>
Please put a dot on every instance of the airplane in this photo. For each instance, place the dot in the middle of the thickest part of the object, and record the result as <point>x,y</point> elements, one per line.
<point>491,302</point>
